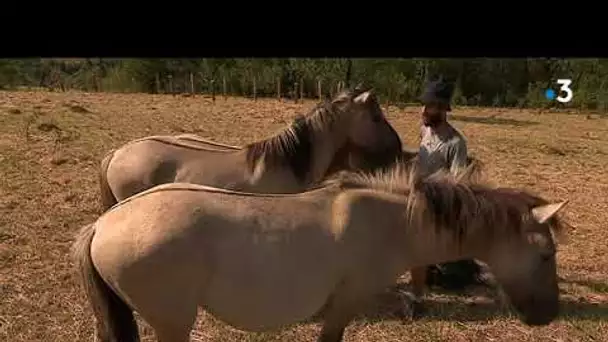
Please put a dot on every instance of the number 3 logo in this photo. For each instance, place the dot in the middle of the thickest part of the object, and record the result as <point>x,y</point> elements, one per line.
<point>565,87</point>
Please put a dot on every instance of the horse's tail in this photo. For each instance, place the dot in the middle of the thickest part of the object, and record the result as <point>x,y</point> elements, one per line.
<point>114,318</point>
<point>107,196</point>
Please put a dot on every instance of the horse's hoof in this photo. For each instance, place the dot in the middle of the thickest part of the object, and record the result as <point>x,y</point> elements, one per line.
<point>411,312</point>
<point>418,310</point>
<point>404,315</point>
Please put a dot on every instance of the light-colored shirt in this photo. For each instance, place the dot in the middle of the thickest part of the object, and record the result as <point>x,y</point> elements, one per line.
<point>446,149</point>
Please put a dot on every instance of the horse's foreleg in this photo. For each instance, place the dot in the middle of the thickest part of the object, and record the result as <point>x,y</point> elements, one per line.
<point>339,312</point>
<point>171,316</point>
<point>496,292</point>
<point>418,288</point>
<point>337,316</point>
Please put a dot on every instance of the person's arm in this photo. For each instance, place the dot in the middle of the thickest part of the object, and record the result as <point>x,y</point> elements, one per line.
<point>459,157</point>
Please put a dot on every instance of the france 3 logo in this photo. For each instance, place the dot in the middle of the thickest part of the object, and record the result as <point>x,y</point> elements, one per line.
<point>564,89</point>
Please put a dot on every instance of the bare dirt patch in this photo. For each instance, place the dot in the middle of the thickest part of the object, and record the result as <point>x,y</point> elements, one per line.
<point>51,145</point>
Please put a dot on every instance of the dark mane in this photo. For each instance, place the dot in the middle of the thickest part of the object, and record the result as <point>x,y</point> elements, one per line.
<point>461,208</point>
<point>292,147</point>
<point>458,204</point>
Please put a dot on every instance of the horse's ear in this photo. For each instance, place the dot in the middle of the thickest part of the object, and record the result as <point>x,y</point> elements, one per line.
<point>361,87</point>
<point>544,212</point>
<point>364,97</point>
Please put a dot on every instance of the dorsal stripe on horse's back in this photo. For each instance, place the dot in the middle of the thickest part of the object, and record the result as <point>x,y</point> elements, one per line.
<point>170,140</point>
<point>205,188</point>
<point>195,138</point>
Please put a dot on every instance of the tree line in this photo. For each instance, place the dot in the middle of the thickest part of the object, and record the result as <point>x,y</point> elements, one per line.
<point>479,81</point>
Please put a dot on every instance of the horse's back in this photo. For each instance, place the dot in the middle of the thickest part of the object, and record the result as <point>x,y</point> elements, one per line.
<point>205,143</point>
<point>144,163</point>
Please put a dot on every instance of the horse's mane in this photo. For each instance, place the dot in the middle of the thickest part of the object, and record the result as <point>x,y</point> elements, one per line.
<point>401,176</point>
<point>462,208</point>
<point>459,204</point>
<point>292,146</point>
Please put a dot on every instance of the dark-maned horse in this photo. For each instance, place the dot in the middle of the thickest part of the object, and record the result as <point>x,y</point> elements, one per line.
<point>350,127</point>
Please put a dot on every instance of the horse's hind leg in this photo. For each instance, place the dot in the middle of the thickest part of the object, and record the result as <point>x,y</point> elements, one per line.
<point>172,322</point>
<point>344,306</point>
<point>173,335</point>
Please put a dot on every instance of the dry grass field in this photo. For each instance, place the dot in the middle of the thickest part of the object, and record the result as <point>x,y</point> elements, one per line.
<point>51,145</point>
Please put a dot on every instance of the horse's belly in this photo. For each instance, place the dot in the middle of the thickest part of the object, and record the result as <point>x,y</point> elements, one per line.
<point>266,288</point>
<point>263,310</point>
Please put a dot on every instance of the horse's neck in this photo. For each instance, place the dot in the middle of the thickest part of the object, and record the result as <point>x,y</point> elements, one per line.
<point>324,152</point>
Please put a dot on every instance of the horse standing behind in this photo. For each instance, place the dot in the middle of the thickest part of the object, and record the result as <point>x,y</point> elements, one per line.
<point>263,261</point>
<point>289,162</point>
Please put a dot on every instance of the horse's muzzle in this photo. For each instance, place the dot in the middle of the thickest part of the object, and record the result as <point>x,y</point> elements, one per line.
<point>539,312</point>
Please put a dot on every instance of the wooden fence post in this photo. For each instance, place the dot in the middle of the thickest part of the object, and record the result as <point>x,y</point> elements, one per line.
<point>192,83</point>
<point>319,89</point>
<point>199,75</point>
<point>279,88</point>
<point>157,83</point>
<point>213,90</point>
<point>301,89</point>
<point>295,92</point>
<point>224,88</point>
<point>255,90</point>
<point>170,77</point>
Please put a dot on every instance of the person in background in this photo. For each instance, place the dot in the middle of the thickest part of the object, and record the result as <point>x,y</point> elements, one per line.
<point>442,146</point>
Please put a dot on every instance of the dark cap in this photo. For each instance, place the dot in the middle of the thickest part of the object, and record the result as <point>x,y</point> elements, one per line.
<point>438,91</point>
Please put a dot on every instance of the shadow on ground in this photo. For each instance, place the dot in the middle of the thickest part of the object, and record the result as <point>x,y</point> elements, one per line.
<point>459,307</point>
<point>492,120</point>
<point>388,307</point>
<point>590,284</point>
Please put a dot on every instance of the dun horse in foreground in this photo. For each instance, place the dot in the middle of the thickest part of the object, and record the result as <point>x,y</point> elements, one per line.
<point>350,128</point>
<point>260,262</point>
